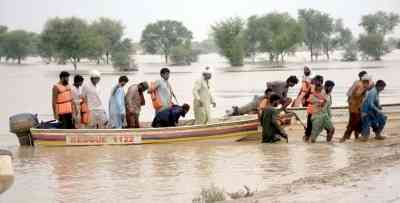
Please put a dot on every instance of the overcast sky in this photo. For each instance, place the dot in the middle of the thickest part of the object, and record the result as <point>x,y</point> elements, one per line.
<point>197,15</point>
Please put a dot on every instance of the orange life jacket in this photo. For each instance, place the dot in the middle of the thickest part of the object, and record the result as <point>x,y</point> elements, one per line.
<point>310,109</point>
<point>85,115</point>
<point>64,100</point>
<point>155,96</point>
<point>306,86</point>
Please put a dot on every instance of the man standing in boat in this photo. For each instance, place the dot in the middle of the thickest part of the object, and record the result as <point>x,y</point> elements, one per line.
<point>116,105</point>
<point>269,121</point>
<point>161,91</point>
<point>202,98</point>
<point>62,102</point>
<point>134,100</point>
<point>281,88</point>
<point>321,118</point>
<point>91,95</point>
<point>355,100</point>
<point>305,91</point>
<point>81,112</point>
<point>371,113</point>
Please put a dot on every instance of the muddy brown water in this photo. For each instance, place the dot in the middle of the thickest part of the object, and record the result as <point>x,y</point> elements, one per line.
<point>173,172</point>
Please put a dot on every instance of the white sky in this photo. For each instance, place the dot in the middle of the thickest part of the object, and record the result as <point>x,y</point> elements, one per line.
<point>196,15</point>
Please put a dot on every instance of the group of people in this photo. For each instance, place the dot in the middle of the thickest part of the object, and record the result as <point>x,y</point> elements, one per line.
<point>365,111</point>
<point>79,105</point>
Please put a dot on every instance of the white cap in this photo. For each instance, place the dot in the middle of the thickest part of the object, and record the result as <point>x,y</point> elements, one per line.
<point>94,74</point>
<point>366,77</point>
<point>208,70</point>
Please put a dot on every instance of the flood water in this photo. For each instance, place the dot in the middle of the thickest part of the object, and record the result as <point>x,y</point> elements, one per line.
<point>171,172</point>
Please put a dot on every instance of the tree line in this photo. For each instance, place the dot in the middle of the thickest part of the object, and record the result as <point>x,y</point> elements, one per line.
<point>277,34</point>
<point>70,40</point>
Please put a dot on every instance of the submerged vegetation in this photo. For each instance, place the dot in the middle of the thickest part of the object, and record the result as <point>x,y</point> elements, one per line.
<point>215,194</point>
<point>276,34</point>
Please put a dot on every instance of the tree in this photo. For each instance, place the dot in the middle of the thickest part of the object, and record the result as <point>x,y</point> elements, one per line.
<point>96,46</point>
<point>380,22</point>
<point>275,33</point>
<point>376,26</point>
<point>350,51</point>
<point>184,55</point>
<point>286,33</point>
<point>3,30</point>
<point>69,37</point>
<point>111,32</point>
<point>252,35</point>
<point>317,26</point>
<point>46,47</point>
<point>206,46</point>
<point>121,55</point>
<point>372,45</point>
<point>228,36</point>
<point>17,45</point>
<point>162,36</point>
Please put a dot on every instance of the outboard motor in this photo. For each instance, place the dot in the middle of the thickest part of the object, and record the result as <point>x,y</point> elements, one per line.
<point>21,124</point>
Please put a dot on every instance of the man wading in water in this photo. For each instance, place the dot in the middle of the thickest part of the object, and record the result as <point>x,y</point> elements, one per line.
<point>355,100</point>
<point>371,113</point>
<point>322,117</point>
<point>269,121</point>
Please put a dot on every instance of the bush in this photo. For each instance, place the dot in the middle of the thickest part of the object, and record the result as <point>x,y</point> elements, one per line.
<point>121,56</point>
<point>210,195</point>
<point>350,52</point>
<point>373,45</point>
<point>183,55</point>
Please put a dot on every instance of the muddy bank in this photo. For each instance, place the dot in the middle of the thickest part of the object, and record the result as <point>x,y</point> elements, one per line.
<point>370,179</point>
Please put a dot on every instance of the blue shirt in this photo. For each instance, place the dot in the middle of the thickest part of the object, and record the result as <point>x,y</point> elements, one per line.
<point>371,102</point>
<point>168,117</point>
<point>117,101</point>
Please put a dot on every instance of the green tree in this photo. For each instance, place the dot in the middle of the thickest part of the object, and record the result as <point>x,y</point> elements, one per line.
<point>317,26</point>
<point>380,22</point>
<point>337,36</point>
<point>111,32</point>
<point>286,33</point>
<point>206,46</point>
<point>46,47</point>
<point>121,55</point>
<point>253,34</point>
<point>96,46</point>
<point>3,30</point>
<point>70,38</point>
<point>228,36</point>
<point>17,45</point>
<point>377,26</point>
<point>372,45</point>
<point>350,51</point>
<point>162,36</point>
<point>184,55</point>
<point>275,33</point>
